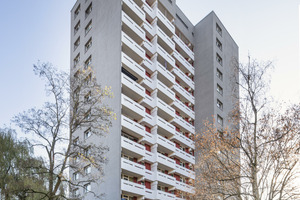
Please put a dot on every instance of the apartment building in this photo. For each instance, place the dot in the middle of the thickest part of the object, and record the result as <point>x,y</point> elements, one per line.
<point>167,76</point>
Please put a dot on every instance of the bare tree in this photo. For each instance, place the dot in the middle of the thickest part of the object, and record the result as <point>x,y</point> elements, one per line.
<point>56,126</point>
<point>257,156</point>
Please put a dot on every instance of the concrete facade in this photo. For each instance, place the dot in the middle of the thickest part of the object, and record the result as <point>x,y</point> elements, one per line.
<point>162,70</point>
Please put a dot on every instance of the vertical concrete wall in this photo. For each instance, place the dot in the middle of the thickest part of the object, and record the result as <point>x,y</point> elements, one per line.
<point>106,63</point>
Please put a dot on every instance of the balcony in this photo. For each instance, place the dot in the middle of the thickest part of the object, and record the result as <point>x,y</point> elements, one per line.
<point>164,110</point>
<point>184,171</point>
<point>165,21</point>
<point>150,194</point>
<point>150,47</point>
<point>132,148</point>
<point>165,93</point>
<point>183,124</point>
<point>150,157</point>
<point>149,101</point>
<point>186,110</point>
<point>184,47</point>
<point>167,42</point>
<point>185,94</point>
<point>131,88</point>
<point>185,156</point>
<point>184,140</point>
<point>164,195</point>
<point>148,10</point>
<point>132,49</point>
<point>165,143</point>
<point>131,66</point>
<point>184,78</point>
<point>184,187</point>
<point>131,108</point>
<point>166,179</point>
<point>149,28</point>
<point>149,138</point>
<point>134,10</point>
<point>131,127</point>
<point>149,83</point>
<point>149,175</point>
<point>188,67</point>
<point>149,120</point>
<point>166,161</point>
<point>149,65</point>
<point>165,127</point>
<point>165,75</point>
<point>133,188</point>
<point>132,167</point>
<point>136,30</point>
<point>165,55</point>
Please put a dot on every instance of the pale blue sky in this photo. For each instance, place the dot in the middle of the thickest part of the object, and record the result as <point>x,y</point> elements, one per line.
<point>35,30</point>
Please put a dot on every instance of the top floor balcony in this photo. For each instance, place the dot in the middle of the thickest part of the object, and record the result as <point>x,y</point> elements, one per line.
<point>134,11</point>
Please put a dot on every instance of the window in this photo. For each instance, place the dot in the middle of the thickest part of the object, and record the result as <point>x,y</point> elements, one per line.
<point>88,79</point>
<point>75,176</point>
<point>88,45</point>
<point>220,120</point>
<point>77,43</point>
<point>87,152</point>
<point>76,141</point>
<point>219,30</point>
<point>219,74</point>
<point>219,44</point>
<point>75,160</point>
<point>88,62</point>
<point>88,10</point>
<point>219,104</point>
<point>219,89</point>
<point>88,27</point>
<point>87,188</point>
<point>76,192</point>
<point>87,97</point>
<point>88,115</point>
<point>76,59</point>
<point>87,169</point>
<point>219,59</point>
<point>87,133</point>
<point>76,28</point>
<point>76,12</point>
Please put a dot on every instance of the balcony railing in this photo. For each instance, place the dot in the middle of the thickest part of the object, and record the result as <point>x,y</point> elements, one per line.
<point>150,46</point>
<point>165,90</point>
<point>136,88</point>
<point>185,156</point>
<point>150,157</point>
<point>184,93</point>
<point>149,101</point>
<point>165,125</point>
<point>132,127</point>
<point>132,146</point>
<point>131,187</point>
<point>164,195</point>
<point>165,143</point>
<point>183,139</point>
<point>148,10</point>
<point>184,62</point>
<point>149,65</point>
<point>189,112</point>
<point>165,21</point>
<point>165,38</point>
<point>167,57</point>
<point>135,9</point>
<point>150,194</point>
<point>133,26</point>
<point>132,106</point>
<point>139,51</point>
<point>188,81</point>
<point>149,28</point>
<point>168,110</point>
<point>164,160</point>
<point>183,124</point>
<point>185,172</point>
<point>166,73</point>
<point>184,47</point>
<point>184,187</point>
<point>165,178</point>
<point>133,67</point>
<point>149,175</point>
<point>132,167</point>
